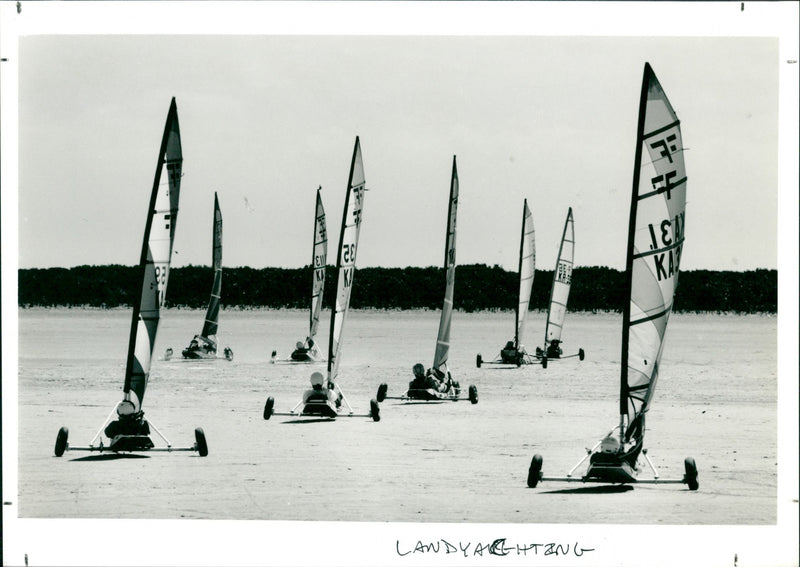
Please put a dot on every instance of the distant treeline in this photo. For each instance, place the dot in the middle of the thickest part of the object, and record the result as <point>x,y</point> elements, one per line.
<point>478,287</point>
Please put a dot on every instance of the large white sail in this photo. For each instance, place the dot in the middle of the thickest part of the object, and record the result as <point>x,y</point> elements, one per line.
<point>527,269</point>
<point>655,242</point>
<point>154,262</point>
<point>346,257</point>
<point>562,280</point>
<point>211,323</point>
<point>318,261</point>
<point>443,338</point>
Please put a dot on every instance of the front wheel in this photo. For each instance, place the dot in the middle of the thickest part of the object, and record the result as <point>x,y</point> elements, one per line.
<point>228,354</point>
<point>268,407</point>
<point>544,362</point>
<point>200,438</point>
<point>374,410</point>
<point>581,354</point>
<point>473,394</point>
<point>382,389</point>
<point>61,441</point>
<point>691,473</point>
<point>535,471</point>
<point>478,361</point>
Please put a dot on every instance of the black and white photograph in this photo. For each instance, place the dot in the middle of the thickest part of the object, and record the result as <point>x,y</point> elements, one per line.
<point>399,283</point>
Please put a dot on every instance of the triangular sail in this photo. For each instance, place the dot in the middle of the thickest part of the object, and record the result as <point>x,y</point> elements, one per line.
<point>318,261</point>
<point>655,242</point>
<point>346,257</point>
<point>443,338</point>
<point>562,280</point>
<point>159,234</point>
<point>527,268</point>
<point>212,314</point>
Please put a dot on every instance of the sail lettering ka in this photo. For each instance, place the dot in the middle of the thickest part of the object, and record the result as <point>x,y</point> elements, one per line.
<point>347,277</point>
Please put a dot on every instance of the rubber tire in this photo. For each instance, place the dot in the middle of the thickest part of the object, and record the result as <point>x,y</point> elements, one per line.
<point>228,354</point>
<point>268,407</point>
<point>535,471</point>
<point>544,362</point>
<point>374,410</point>
<point>200,437</point>
<point>478,361</point>
<point>382,389</point>
<point>61,441</point>
<point>473,394</point>
<point>519,361</point>
<point>691,473</point>
<point>581,354</point>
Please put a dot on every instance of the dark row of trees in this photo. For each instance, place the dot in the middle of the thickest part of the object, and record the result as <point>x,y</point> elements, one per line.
<point>478,287</point>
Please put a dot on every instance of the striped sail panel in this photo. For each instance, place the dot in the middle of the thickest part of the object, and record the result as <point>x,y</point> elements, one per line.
<point>562,281</point>
<point>320,254</point>
<point>443,338</point>
<point>527,269</point>
<point>346,257</point>
<point>655,245</point>
<point>155,260</point>
<point>212,314</point>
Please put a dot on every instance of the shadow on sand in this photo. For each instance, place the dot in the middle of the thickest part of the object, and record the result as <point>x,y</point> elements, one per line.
<point>110,457</point>
<point>601,489</point>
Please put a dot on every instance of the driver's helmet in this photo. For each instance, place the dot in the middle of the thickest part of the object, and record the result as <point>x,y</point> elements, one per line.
<point>510,345</point>
<point>317,379</point>
<point>299,345</point>
<point>419,370</point>
<point>125,408</point>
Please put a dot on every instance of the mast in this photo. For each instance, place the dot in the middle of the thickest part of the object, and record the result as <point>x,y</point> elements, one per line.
<point>154,260</point>
<point>519,270</point>
<point>211,323</point>
<point>443,337</point>
<point>346,258</point>
<point>626,308</point>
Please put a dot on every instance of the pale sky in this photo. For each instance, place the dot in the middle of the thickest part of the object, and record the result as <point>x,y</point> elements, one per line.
<point>266,119</point>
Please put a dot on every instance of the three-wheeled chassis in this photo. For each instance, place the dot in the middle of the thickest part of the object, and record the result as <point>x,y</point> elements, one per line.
<point>426,395</point>
<point>318,408</point>
<point>623,474</point>
<point>527,358</point>
<point>62,442</point>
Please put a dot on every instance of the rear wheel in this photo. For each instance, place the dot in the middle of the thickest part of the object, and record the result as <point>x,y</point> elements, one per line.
<point>535,471</point>
<point>544,362</point>
<point>691,473</point>
<point>581,354</point>
<point>382,389</point>
<point>268,407</point>
<point>473,394</point>
<point>478,361</point>
<point>374,410</point>
<point>61,441</point>
<point>519,360</point>
<point>200,438</point>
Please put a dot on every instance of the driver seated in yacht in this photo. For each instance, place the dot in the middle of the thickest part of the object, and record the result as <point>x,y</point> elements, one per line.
<point>319,392</point>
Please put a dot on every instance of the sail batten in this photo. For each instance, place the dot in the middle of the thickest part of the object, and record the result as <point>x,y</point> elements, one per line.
<point>154,261</point>
<point>656,236</point>
<point>443,337</point>
<point>346,257</point>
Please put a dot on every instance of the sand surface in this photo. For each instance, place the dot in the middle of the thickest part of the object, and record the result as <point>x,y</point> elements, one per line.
<point>439,463</point>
